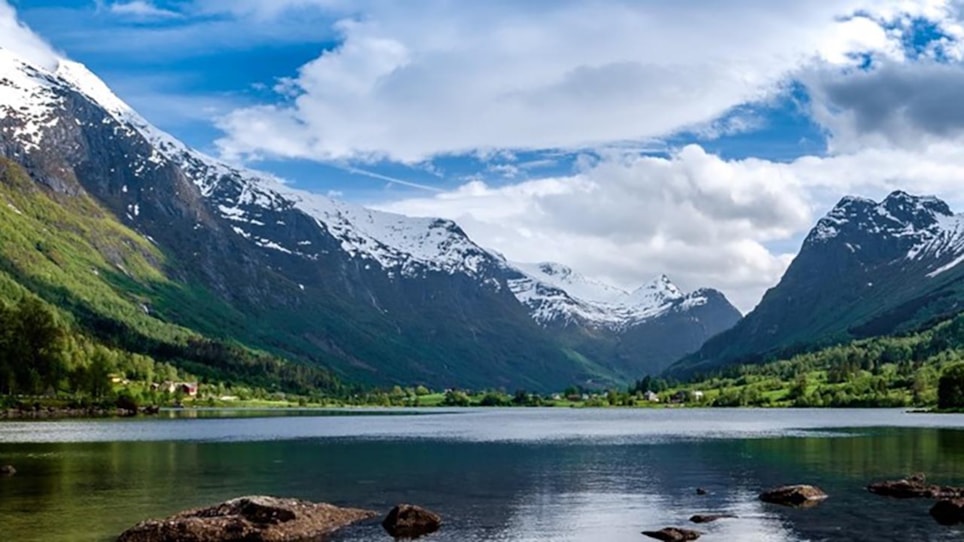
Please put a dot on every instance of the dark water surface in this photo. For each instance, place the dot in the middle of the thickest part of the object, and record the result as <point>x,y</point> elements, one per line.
<point>494,475</point>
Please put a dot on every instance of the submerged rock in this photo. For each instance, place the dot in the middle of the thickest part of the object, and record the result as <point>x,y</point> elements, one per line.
<point>914,487</point>
<point>673,534</point>
<point>949,512</point>
<point>248,519</point>
<point>7,470</point>
<point>410,521</point>
<point>801,495</point>
<point>709,518</point>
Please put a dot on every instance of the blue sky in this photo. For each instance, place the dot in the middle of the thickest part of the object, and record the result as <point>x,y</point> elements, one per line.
<point>184,87</point>
<point>623,138</point>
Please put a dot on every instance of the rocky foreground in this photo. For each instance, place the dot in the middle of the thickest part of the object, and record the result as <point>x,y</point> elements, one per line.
<point>249,519</point>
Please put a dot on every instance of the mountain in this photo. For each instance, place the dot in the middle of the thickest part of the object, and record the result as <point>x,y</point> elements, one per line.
<point>157,241</point>
<point>866,269</point>
<point>239,256</point>
<point>640,331</point>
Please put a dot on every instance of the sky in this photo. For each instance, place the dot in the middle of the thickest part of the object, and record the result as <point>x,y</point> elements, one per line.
<point>624,138</point>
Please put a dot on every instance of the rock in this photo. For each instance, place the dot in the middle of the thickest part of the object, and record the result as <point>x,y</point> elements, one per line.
<point>7,470</point>
<point>949,512</point>
<point>709,518</point>
<point>701,491</point>
<point>248,519</point>
<point>798,495</point>
<point>673,534</point>
<point>410,521</point>
<point>914,487</point>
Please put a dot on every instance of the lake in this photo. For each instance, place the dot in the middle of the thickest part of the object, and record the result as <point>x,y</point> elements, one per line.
<point>493,474</point>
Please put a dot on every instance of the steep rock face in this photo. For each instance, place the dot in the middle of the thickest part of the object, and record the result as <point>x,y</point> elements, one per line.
<point>867,268</point>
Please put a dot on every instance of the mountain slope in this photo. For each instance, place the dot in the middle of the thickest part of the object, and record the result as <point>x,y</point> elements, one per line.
<point>866,269</point>
<point>641,332</point>
<point>378,298</point>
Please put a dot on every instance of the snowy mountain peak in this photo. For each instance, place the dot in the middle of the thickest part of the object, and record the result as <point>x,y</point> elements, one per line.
<point>92,86</point>
<point>657,292</point>
<point>899,214</point>
<point>900,227</point>
<point>556,294</point>
<point>32,101</point>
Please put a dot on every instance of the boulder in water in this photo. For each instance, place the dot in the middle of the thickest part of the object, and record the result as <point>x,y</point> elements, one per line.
<point>800,495</point>
<point>248,519</point>
<point>914,487</point>
<point>410,521</point>
<point>949,512</point>
<point>709,518</point>
<point>673,534</point>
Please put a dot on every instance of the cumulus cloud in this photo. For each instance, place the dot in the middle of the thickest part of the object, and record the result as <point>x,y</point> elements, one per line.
<point>705,221</point>
<point>16,37</point>
<point>903,105</point>
<point>407,83</point>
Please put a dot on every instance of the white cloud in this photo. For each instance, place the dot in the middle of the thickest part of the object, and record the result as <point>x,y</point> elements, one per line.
<point>16,37</point>
<point>409,82</point>
<point>702,220</point>
<point>142,9</point>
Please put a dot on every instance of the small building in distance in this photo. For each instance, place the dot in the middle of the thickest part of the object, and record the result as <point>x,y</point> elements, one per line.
<point>650,396</point>
<point>187,388</point>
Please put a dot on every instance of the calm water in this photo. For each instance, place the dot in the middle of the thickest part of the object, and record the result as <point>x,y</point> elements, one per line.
<point>494,475</point>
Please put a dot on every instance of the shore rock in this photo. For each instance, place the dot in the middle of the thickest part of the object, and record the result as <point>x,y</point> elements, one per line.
<point>673,534</point>
<point>410,521</point>
<point>248,519</point>
<point>7,470</point>
<point>914,487</point>
<point>797,495</point>
<point>709,518</point>
<point>949,512</point>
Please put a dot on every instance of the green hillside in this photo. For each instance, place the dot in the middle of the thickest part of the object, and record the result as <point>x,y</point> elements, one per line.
<point>901,370</point>
<point>101,292</point>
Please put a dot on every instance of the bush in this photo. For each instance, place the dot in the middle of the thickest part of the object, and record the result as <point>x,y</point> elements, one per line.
<point>950,389</point>
<point>126,401</point>
<point>456,398</point>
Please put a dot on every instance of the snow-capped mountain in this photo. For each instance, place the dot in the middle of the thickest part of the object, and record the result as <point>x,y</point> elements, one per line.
<point>376,296</point>
<point>641,330</point>
<point>867,268</point>
<point>557,295</point>
<point>921,228</point>
<point>394,242</point>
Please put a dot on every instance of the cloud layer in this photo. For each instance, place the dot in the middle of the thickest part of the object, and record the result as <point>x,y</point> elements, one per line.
<point>408,83</point>
<point>729,224</point>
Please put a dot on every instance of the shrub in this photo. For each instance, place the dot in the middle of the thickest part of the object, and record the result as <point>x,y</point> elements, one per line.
<point>950,390</point>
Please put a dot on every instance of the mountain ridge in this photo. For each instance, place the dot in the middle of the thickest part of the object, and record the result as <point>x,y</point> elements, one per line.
<point>378,297</point>
<point>867,268</point>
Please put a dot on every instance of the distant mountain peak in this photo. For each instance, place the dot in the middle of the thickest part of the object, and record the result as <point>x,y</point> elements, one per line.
<point>556,293</point>
<point>900,214</point>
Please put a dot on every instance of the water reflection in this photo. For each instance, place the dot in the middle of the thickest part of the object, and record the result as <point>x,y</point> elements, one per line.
<point>559,490</point>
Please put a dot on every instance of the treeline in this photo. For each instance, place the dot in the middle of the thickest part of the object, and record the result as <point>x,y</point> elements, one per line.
<point>43,354</point>
<point>40,354</point>
<point>882,372</point>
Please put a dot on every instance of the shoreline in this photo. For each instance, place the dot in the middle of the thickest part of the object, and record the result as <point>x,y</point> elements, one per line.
<point>51,413</point>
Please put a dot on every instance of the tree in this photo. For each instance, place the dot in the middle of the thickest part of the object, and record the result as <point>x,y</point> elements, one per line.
<point>456,398</point>
<point>950,389</point>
